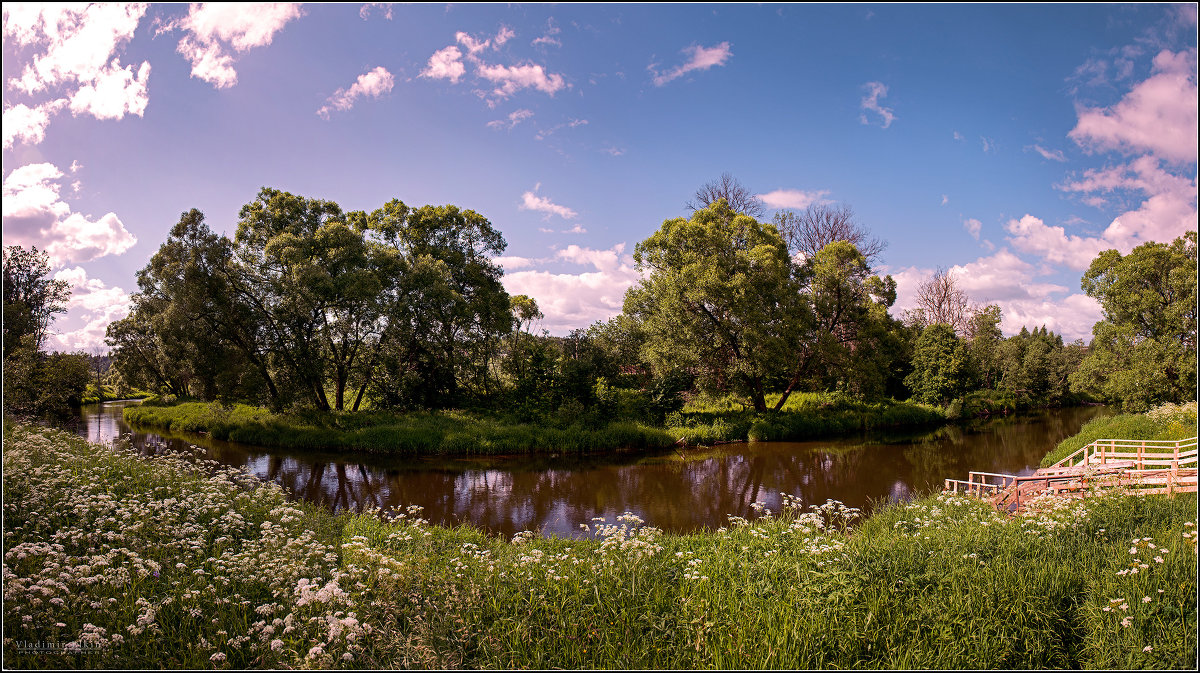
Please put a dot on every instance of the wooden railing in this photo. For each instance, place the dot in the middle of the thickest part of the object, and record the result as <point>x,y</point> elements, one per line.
<point>1150,466</point>
<point>1149,452</point>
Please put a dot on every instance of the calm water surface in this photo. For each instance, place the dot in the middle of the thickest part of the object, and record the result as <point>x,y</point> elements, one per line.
<point>674,490</point>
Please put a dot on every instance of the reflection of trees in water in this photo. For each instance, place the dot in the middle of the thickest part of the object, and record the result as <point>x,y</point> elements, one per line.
<point>670,491</point>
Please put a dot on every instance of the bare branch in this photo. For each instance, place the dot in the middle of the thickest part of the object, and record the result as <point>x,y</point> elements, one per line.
<point>737,195</point>
<point>807,232</point>
<point>939,300</point>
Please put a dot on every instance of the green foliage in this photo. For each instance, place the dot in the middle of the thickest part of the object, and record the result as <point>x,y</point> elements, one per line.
<point>30,299</point>
<point>719,298</point>
<point>312,305</point>
<point>40,383</point>
<point>1144,351</point>
<point>939,366</point>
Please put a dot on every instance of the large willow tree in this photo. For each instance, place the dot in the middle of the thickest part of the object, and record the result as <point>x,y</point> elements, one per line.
<point>308,303</point>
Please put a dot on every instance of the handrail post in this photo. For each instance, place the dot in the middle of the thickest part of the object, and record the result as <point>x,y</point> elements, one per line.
<point>1142,454</point>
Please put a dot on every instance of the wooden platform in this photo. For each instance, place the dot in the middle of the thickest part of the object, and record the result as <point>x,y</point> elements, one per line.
<point>1141,467</point>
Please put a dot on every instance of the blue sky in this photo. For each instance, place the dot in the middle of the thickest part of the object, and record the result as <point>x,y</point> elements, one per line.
<point>1007,143</point>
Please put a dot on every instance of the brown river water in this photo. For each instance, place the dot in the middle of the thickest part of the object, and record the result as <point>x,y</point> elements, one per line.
<point>675,490</point>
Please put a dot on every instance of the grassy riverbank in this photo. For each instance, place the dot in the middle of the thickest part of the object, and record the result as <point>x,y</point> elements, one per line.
<point>1169,421</point>
<point>418,433</point>
<point>127,561</point>
<point>806,416</point>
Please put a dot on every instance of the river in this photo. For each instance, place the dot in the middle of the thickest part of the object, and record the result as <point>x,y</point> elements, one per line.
<point>678,491</point>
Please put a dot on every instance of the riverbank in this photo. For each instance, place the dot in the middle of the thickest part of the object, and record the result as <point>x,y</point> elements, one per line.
<point>464,433</point>
<point>1166,422</point>
<point>124,561</point>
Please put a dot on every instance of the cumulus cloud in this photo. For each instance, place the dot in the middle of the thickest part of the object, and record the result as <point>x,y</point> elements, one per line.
<point>78,41</point>
<point>510,79</point>
<point>450,63</point>
<point>77,54</point>
<point>541,204</point>
<point>1158,115</point>
<point>792,198</point>
<point>870,103</point>
<point>28,124</point>
<point>573,300</point>
<point>973,227</point>
<point>213,30</point>
<point>1031,234</point>
<point>114,93</point>
<point>699,58</point>
<point>445,64</point>
<point>374,84</point>
<point>1011,283</point>
<point>92,307</point>
<point>1167,209</point>
<point>34,214</point>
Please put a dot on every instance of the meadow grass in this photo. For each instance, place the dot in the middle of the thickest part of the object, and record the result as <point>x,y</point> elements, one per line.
<point>414,433</point>
<point>1168,421</point>
<point>174,562</point>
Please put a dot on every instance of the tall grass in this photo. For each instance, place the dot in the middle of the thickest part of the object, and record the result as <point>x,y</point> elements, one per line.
<point>164,563</point>
<point>418,433</point>
<point>1169,421</point>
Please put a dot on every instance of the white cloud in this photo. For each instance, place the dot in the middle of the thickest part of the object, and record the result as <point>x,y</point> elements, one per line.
<point>78,46</point>
<point>374,84</point>
<point>577,229</point>
<point>213,29</point>
<point>699,58</point>
<point>1167,211</point>
<point>27,124</point>
<point>385,7</point>
<point>114,93</point>
<point>1030,234</point>
<point>79,41</point>
<point>548,39</point>
<point>870,103</point>
<point>531,201</point>
<point>988,144</point>
<point>93,306</point>
<point>514,78</point>
<point>571,301</point>
<point>1052,155</point>
<point>513,262</point>
<point>958,136</point>
<point>792,198</point>
<point>35,215</point>
<point>1158,115</point>
<point>445,64</point>
<point>613,151</point>
<point>973,227</point>
<point>945,199</point>
<point>514,118</point>
<point>1011,283</point>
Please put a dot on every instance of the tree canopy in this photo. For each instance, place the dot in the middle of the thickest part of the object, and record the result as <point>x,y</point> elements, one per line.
<point>1144,351</point>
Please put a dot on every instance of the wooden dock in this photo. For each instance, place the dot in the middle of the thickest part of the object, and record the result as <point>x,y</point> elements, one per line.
<point>1141,467</point>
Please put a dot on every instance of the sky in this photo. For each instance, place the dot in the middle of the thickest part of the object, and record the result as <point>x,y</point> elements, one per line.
<point>1008,144</point>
